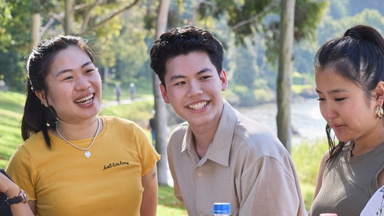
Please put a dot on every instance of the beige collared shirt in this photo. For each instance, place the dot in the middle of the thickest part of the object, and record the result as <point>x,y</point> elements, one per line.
<point>245,165</point>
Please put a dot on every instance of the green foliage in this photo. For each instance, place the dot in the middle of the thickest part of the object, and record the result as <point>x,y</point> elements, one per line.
<point>264,95</point>
<point>243,67</point>
<point>356,6</point>
<point>15,37</point>
<point>304,56</point>
<point>332,28</point>
<point>307,156</point>
<point>302,79</point>
<point>238,11</point>
<point>12,70</point>
<point>339,9</point>
<point>132,48</point>
<point>246,96</point>
<point>137,112</point>
<point>14,43</point>
<point>231,97</point>
<point>308,15</point>
<point>371,16</point>
<point>115,38</point>
<point>303,84</point>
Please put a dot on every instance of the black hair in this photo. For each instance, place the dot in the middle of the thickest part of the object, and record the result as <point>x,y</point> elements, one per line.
<point>36,116</point>
<point>182,41</point>
<point>357,56</point>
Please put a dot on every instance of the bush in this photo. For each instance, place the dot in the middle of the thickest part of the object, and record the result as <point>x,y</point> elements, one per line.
<point>245,95</point>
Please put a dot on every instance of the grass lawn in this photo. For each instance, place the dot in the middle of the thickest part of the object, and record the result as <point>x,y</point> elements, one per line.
<point>168,204</point>
<point>11,109</point>
<point>306,156</point>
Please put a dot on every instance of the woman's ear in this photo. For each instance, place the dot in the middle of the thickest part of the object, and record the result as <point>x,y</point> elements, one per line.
<point>41,95</point>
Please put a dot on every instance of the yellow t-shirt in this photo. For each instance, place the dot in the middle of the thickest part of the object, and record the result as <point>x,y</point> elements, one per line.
<point>64,182</point>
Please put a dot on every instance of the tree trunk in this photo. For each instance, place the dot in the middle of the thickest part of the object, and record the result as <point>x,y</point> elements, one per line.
<point>160,106</point>
<point>35,29</point>
<point>284,94</point>
<point>105,76</point>
<point>68,19</point>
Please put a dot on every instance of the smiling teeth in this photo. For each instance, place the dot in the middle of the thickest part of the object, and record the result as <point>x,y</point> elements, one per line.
<point>84,100</point>
<point>198,106</point>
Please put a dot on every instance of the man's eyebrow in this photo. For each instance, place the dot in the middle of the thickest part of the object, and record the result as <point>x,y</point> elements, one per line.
<point>204,70</point>
<point>176,77</point>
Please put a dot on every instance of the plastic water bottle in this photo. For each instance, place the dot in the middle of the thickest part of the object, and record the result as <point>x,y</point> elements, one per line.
<point>221,209</point>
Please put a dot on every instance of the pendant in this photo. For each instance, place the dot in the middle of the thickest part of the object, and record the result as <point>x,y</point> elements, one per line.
<point>87,154</point>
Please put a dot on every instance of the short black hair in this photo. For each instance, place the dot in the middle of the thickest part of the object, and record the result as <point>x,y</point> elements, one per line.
<point>182,41</point>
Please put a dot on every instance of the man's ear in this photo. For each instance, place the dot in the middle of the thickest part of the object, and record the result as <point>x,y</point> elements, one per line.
<point>41,95</point>
<point>164,93</point>
<point>224,81</point>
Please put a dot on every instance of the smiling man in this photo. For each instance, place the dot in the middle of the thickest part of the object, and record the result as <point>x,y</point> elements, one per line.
<point>218,155</point>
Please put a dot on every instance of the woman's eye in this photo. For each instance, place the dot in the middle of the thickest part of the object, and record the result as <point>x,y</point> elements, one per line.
<point>339,99</point>
<point>68,78</point>
<point>320,99</point>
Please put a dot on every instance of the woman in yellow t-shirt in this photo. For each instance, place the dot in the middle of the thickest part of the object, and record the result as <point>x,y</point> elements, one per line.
<point>73,161</point>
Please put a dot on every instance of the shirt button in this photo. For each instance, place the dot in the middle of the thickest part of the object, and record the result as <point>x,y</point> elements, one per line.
<point>200,174</point>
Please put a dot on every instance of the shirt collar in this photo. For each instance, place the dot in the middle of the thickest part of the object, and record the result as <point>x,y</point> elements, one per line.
<point>219,150</point>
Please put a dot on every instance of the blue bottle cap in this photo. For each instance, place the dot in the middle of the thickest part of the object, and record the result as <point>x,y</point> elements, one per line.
<point>221,208</point>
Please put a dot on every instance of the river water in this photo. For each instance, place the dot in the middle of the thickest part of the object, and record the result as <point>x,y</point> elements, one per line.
<point>305,118</point>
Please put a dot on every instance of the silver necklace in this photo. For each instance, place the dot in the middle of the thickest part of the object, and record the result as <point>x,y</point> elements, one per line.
<point>87,153</point>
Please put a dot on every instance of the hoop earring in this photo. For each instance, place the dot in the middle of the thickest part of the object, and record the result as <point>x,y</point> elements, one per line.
<point>379,112</point>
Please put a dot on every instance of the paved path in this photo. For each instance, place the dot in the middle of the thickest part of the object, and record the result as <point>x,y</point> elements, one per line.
<point>125,101</point>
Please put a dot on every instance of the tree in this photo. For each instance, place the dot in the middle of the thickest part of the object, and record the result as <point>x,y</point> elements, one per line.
<point>250,17</point>
<point>16,39</point>
<point>283,117</point>
<point>83,18</point>
<point>160,107</point>
<point>92,15</point>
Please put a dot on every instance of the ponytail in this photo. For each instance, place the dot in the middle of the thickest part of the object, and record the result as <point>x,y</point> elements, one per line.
<point>36,116</point>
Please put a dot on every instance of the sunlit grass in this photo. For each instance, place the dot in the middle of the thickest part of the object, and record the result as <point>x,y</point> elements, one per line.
<point>139,112</point>
<point>306,157</point>
<point>11,108</point>
<point>168,204</point>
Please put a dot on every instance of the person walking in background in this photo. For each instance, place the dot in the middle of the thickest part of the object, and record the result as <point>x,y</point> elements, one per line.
<point>218,154</point>
<point>349,73</point>
<point>117,92</point>
<point>152,127</point>
<point>73,161</point>
<point>132,90</point>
